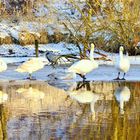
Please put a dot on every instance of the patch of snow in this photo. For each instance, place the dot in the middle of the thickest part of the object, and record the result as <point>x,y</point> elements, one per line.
<point>36,33</point>
<point>20,53</point>
<point>17,50</point>
<point>3,34</point>
<point>41,11</point>
<point>138,44</point>
<point>14,33</point>
<point>59,49</point>
<point>10,30</point>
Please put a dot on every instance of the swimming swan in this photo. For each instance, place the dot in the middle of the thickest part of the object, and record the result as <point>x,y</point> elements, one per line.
<point>30,66</point>
<point>122,94</point>
<point>84,66</point>
<point>122,64</point>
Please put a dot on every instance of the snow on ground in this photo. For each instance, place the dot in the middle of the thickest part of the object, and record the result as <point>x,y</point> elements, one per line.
<point>29,50</point>
<point>51,15</point>
<point>20,54</point>
<point>105,72</point>
<point>9,29</point>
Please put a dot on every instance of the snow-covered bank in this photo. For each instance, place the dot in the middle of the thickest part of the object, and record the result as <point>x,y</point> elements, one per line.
<point>16,53</point>
<point>20,53</point>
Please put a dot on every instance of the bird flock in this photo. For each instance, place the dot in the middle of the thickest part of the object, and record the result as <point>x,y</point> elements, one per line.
<point>81,67</point>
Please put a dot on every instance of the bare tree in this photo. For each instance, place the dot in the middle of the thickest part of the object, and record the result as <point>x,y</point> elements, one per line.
<point>112,22</point>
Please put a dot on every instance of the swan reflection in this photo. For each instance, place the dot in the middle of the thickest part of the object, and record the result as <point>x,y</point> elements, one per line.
<point>3,97</point>
<point>31,93</point>
<point>82,95</point>
<point>122,94</point>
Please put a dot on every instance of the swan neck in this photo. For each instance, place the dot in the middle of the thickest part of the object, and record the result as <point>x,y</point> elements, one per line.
<point>121,54</point>
<point>92,107</point>
<point>92,54</point>
<point>121,106</point>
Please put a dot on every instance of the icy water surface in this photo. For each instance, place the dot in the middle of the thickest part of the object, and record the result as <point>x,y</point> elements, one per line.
<point>78,111</point>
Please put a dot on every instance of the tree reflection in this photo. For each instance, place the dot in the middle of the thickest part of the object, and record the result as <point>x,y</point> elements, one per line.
<point>3,122</point>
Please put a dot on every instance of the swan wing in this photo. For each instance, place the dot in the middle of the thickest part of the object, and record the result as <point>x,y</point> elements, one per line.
<point>3,66</point>
<point>81,96</point>
<point>124,65</point>
<point>31,93</point>
<point>3,97</point>
<point>83,66</point>
<point>31,65</point>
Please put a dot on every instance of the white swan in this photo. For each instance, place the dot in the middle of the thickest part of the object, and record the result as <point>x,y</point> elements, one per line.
<point>31,93</point>
<point>30,66</point>
<point>3,66</point>
<point>85,97</point>
<point>122,94</point>
<point>122,64</point>
<point>84,66</point>
<point>3,97</point>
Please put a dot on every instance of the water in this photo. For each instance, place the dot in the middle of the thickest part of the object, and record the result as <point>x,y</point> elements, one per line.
<point>78,111</point>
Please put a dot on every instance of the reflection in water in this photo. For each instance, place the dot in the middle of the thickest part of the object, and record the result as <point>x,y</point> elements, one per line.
<point>3,115</point>
<point>3,122</point>
<point>122,95</point>
<point>84,96</point>
<point>22,116</point>
<point>3,97</point>
<point>31,93</point>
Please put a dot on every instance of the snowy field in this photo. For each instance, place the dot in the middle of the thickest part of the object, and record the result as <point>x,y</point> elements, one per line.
<point>21,54</point>
<point>14,55</point>
<point>105,72</point>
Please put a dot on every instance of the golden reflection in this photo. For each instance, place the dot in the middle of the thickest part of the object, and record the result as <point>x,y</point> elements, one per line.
<point>122,94</point>
<point>3,115</point>
<point>31,93</point>
<point>59,117</point>
<point>3,122</point>
<point>3,97</point>
<point>82,94</point>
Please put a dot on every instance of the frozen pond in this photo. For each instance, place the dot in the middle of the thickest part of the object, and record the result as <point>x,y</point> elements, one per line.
<point>34,110</point>
<point>104,73</point>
